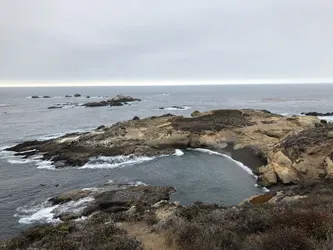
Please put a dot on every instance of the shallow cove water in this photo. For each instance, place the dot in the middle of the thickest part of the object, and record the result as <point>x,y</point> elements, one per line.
<point>196,175</point>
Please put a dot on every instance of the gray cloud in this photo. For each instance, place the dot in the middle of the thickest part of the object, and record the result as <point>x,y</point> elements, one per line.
<point>149,39</point>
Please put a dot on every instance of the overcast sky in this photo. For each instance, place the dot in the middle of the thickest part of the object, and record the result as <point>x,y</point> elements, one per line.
<point>68,40</point>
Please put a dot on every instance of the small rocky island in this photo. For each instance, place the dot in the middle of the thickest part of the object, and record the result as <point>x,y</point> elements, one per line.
<point>119,100</point>
<point>291,155</point>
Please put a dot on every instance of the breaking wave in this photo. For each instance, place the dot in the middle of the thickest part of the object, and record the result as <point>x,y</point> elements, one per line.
<point>175,108</point>
<point>46,213</point>
<point>247,169</point>
<point>115,161</point>
<point>178,152</point>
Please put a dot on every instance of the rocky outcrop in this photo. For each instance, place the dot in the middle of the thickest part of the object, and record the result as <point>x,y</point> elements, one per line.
<point>119,100</point>
<point>112,198</point>
<point>292,149</point>
<point>122,98</point>
<point>318,114</point>
<point>77,95</point>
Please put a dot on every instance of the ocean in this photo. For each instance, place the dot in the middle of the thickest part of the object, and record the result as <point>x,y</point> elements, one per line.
<point>25,185</point>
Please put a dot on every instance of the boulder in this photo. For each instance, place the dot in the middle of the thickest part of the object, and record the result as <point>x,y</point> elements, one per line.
<point>46,96</point>
<point>35,97</point>
<point>268,178</point>
<point>135,118</point>
<point>77,95</point>
<point>68,96</point>
<point>87,96</point>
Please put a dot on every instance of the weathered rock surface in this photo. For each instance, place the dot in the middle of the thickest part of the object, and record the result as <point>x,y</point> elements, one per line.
<point>294,149</point>
<point>112,199</point>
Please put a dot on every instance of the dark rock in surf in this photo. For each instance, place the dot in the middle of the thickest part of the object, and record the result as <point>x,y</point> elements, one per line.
<point>101,127</point>
<point>46,96</point>
<point>35,97</point>
<point>135,118</point>
<point>317,114</point>
<point>119,100</point>
<point>96,104</point>
<point>77,95</point>
<point>173,107</point>
<point>55,107</point>
<point>113,103</point>
<point>67,96</point>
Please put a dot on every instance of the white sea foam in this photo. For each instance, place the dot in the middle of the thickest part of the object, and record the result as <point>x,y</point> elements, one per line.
<point>137,183</point>
<point>5,154</point>
<point>178,152</point>
<point>45,165</point>
<point>45,213</point>
<point>19,161</point>
<point>326,118</point>
<point>57,135</point>
<point>176,108</point>
<point>2,105</point>
<point>41,213</point>
<point>247,169</point>
<point>115,161</point>
<point>203,150</point>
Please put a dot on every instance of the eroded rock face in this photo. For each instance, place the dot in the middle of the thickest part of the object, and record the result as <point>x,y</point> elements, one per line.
<point>294,148</point>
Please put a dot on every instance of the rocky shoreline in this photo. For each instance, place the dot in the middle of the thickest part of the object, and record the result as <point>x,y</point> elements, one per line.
<point>291,155</point>
<point>279,149</point>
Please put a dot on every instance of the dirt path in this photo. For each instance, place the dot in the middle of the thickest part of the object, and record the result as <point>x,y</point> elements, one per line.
<point>149,240</point>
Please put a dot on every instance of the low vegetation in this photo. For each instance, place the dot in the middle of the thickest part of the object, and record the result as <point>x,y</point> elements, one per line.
<point>296,218</point>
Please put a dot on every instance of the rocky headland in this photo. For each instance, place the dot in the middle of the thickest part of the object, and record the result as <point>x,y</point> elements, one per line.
<point>279,149</point>
<point>293,156</point>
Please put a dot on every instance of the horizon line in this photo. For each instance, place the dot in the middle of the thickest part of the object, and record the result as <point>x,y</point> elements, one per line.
<point>9,84</point>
